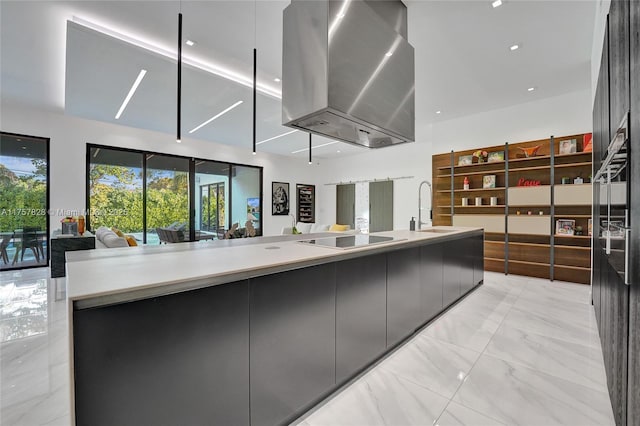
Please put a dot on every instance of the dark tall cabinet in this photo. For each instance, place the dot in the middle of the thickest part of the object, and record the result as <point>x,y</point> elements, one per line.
<point>633,405</point>
<point>617,305</point>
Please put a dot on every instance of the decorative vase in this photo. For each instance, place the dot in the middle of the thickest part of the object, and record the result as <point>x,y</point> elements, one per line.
<point>81,225</point>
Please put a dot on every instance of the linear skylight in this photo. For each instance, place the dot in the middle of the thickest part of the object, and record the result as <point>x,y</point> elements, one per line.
<point>131,92</point>
<point>317,146</point>
<point>276,137</point>
<point>216,116</point>
<point>155,47</point>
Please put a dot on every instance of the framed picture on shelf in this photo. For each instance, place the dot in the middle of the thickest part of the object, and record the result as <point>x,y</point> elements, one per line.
<point>565,226</point>
<point>489,181</point>
<point>465,160</point>
<point>496,156</point>
<point>279,198</point>
<point>568,146</point>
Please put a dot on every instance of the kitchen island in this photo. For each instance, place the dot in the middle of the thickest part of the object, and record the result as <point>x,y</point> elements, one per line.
<point>250,333</point>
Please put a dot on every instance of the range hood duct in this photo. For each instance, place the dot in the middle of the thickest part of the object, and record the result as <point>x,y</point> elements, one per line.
<point>348,71</point>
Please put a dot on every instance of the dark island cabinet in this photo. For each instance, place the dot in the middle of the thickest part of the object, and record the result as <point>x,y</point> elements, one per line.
<point>451,273</point>
<point>361,319</point>
<point>292,341</point>
<point>431,279</point>
<point>403,294</point>
<point>264,350</point>
<point>181,359</point>
<point>477,258</point>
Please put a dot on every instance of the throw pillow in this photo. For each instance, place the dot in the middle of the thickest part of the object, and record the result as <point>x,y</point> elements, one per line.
<point>100,232</point>
<point>113,241</point>
<point>118,232</point>
<point>131,241</point>
<point>339,228</point>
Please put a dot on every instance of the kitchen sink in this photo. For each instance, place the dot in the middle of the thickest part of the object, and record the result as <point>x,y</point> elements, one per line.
<point>437,230</point>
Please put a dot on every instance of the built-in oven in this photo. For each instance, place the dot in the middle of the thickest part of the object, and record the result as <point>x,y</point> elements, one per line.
<point>612,184</point>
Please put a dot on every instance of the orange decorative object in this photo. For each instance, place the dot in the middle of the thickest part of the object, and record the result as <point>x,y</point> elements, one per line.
<point>80,225</point>
<point>588,146</point>
<point>530,152</point>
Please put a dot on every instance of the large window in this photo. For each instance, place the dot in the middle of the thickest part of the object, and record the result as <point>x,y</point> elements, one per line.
<point>167,198</point>
<point>212,179</point>
<point>115,190</point>
<point>151,195</point>
<point>24,201</point>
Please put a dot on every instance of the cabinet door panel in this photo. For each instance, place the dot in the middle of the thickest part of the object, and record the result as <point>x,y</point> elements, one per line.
<point>452,273</point>
<point>633,405</point>
<point>292,341</point>
<point>403,294</point>
<point>431,278</point>
<point>361,320</point>
<point>143,379</point>
<point>618,61</point>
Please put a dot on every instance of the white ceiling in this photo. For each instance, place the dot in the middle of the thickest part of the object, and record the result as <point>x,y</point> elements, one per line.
<point>463,61</point>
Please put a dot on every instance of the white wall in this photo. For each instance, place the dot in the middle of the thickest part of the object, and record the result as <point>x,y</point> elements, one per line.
<point>562,115</point>
<point>69,136</point>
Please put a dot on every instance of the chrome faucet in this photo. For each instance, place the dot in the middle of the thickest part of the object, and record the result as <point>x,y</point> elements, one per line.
<point>420,223</point>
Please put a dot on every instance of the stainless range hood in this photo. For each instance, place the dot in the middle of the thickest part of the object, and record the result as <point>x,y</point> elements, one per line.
<point>348,71</point>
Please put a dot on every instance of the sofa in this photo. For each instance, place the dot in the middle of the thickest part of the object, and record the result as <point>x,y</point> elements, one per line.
<point>113,238</point>
<point>314,228</point>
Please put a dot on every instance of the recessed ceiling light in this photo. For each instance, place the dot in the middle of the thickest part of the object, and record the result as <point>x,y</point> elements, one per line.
<point>19,140</point>
<point>496,3</point>
<point>131,92</point>
<point>277,80</point>
<point>276,137</point>
<point>531,89</point>
<point>338,151</point>
<point>216,116</point>
<point>190,42</point>
<point>24,147</point>
<point>438,112</point>
<point>514,47</point>
<point>388,54</point>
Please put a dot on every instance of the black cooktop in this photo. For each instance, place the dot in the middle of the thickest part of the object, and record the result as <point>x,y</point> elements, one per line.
<point>349,241</point>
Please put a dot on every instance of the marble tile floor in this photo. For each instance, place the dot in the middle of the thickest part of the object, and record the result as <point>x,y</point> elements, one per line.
<point>516,351</point>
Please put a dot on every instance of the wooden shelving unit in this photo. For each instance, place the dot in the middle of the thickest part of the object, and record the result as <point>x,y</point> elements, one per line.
<point>520,230</point>
<point>306,203</point>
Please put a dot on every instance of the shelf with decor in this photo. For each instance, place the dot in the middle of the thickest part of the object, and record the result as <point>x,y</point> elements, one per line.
<point>533,185</point>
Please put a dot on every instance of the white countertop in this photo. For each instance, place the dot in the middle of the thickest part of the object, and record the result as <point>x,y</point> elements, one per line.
<point>150,273</point>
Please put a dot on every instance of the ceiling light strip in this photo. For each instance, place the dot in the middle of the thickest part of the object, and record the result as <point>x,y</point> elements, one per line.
<point>196,63</point>
<point>131,92</point>
<point>218,115</point>
<point>179,94</point>
<point>317,146</point>
<point>276,137</point>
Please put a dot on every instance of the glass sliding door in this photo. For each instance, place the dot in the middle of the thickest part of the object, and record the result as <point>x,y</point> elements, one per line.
<point>160,198</point>
<point>246,197</point>
<point>212,181</point>
<point>24,201</point>
<point>115,191</point>
<point>167,198</point>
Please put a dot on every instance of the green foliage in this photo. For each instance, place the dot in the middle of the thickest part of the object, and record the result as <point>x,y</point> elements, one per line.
<point>23,198</point>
